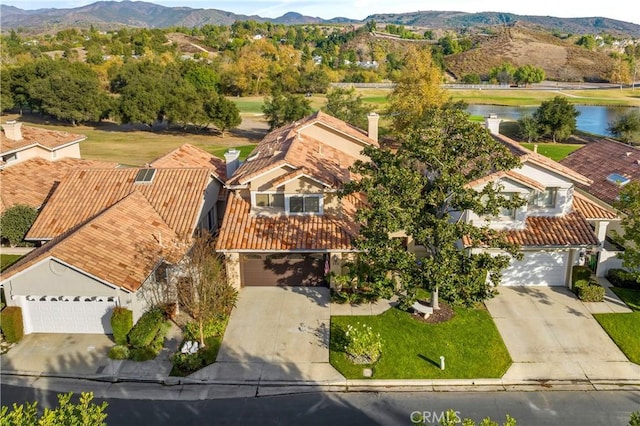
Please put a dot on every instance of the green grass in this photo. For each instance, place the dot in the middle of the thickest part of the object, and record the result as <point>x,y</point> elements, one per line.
<point>248,104</point>
<point>7,260</point>
<point>623,328</point>
<point>555,151</point>
<point>470,343</point>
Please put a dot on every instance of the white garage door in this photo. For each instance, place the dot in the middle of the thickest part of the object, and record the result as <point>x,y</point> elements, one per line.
<point>537,268</point>
<point>61,314</point>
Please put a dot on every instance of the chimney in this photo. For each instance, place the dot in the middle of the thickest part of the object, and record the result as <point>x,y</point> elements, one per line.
<point>492,122</point>
<point>231,157</point>
<point>535,148</point>
<point>12,130</point>
<point>372,131</point>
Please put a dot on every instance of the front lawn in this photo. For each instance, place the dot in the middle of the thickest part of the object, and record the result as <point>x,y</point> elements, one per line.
<point>411,349</point>
<point>623,328</point>
<point>555,151</point>
<point>7,260</point>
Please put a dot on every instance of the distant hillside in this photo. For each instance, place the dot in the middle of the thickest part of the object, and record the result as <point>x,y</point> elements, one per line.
<point>110,14</point>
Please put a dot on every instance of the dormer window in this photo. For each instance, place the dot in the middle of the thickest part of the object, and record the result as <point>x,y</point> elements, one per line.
<point>544,199</point>
<point>305,203</point>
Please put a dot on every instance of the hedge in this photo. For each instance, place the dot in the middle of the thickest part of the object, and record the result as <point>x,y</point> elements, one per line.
<point>622,278</point>
<point>580,273</point>
<point>119,352</point>
<point>146,329</point>
<point>11,323</point>
<point>591,293</point>
<point>121,324</point>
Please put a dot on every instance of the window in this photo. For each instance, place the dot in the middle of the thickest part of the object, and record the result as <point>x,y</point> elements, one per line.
<point>270,200</point>
<point>508,211</point>
<point>304,204</point>
<point>544,199</point>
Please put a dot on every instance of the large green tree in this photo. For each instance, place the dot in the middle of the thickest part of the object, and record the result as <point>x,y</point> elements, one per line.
<point>627,126</point>
<point>280,109</point>
<point>421,189</point>
<point>557,117</point>
<point>528,74</point>
<point>629,203</point>
<point>223,113</point>
<point>346,105</point>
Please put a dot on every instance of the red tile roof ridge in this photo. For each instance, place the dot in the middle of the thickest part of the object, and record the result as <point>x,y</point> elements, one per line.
<point>195,157</point>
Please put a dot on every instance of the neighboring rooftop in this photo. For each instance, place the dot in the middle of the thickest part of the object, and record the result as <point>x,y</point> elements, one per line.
<point>176,194</point>
<point>188,155</point>
<point>602,159</point>
<point>32,181</point>
<point>17,137</point>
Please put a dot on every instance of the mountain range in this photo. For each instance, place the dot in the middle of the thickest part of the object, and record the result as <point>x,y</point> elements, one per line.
<point>107,15</point>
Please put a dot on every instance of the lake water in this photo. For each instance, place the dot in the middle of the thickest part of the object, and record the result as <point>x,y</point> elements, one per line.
<point>592,119</point>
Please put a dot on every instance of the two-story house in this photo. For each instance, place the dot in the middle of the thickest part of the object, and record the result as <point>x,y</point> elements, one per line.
<point>19,143</point>
<point>109,237</point>
<point>284,223</point>
<point>552,227</point>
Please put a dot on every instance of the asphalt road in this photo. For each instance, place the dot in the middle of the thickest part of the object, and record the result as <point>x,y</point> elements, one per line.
<point>600,408</point>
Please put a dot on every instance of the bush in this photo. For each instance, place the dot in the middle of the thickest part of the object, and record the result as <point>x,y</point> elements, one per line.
<point>591,293</point>
<point>146,329</point>
<point>142,354</point>
<point>187,362</point>
<point>580,273</point>
<point>119,352</point>
<point>579,284</point>
<point>622,278</point>
<point>213,327</point>
<point>11,323</point>
<point>15,222</point>
<point>121,323</point>
<point>363,345</point>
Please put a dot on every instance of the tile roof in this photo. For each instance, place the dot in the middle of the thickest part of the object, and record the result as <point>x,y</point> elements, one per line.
<point>591,209</point>
<point>176,194</point>
<point>30,182</point>
<point>527,155</point>
<point>597,160</point>
<point>188,155</point>
<point>570,230</point>
<point>285,146</point>
<point>122,245</point>
<point>242,231</point>
<point>47,139</point>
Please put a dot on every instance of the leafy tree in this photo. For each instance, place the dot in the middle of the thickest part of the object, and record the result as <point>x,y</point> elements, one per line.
<point>629,203</point>
<point>627,126</point>
<point>15,222</point>
<point>7,101</point>
<point>186,105</point>
<point>557,117</point>
<point>417,89</point>
<point>529,128</point>
<point>502,74</point>
<point>587,41</point>
<point>416,190</point>
<point>84,412</point>
<point>472,78</point>
<point>528,74</point>
<point>621,72</point>
<point>224,114</point>
<point>203,290</point>
<point>282,109</point>
<point>346,105</point>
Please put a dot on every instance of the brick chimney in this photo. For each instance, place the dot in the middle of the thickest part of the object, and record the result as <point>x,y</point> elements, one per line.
<point>232,159</point>
<point>372,131</point>
<point>12,130</point>
<point>492,122</point>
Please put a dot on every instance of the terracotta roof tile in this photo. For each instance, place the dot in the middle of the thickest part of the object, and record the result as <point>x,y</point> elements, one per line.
<point>591,209</point>
<point>121,245</point>
<point>597,160</point>
<point>242,231</point>
<point>177,195</point>
<point>188,155</point>
<point>48,139</point>
<point>30,182</point>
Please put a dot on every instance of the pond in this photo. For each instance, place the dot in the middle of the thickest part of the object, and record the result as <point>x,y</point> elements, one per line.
<point>592,119</point>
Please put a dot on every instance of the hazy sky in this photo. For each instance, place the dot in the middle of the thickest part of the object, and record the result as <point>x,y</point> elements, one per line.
<point>628,11</point>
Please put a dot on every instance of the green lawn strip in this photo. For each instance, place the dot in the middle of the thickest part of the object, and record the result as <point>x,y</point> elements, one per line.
<point>554,151</point>
<point>7,260</point>
<point>623,330</point>
<point>245,150</point>
<point>629,296</point>
<point>470,343</point>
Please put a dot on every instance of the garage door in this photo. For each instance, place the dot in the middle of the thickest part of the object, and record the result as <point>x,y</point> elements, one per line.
<point>537,268</point>
<point>304,269</point>
<point>67,314</point>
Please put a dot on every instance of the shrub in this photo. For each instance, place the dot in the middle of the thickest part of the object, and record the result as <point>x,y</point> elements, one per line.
<point>142,354</point>
<point>591,293</point>
<point>11,323</point>
<point>15,222</point>
<point>119,352</point>
<point>146,329</point>
<point>121,323</point>
<point>579,284</point>
<point>187,362</point>
<point>363,345</point>
<point>622,278</point>
<point>213,327</point>
<point>580,273</point>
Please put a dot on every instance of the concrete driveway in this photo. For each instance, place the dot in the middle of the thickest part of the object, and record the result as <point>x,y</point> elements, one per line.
<point>276,333</point>
<point>550,334</point>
